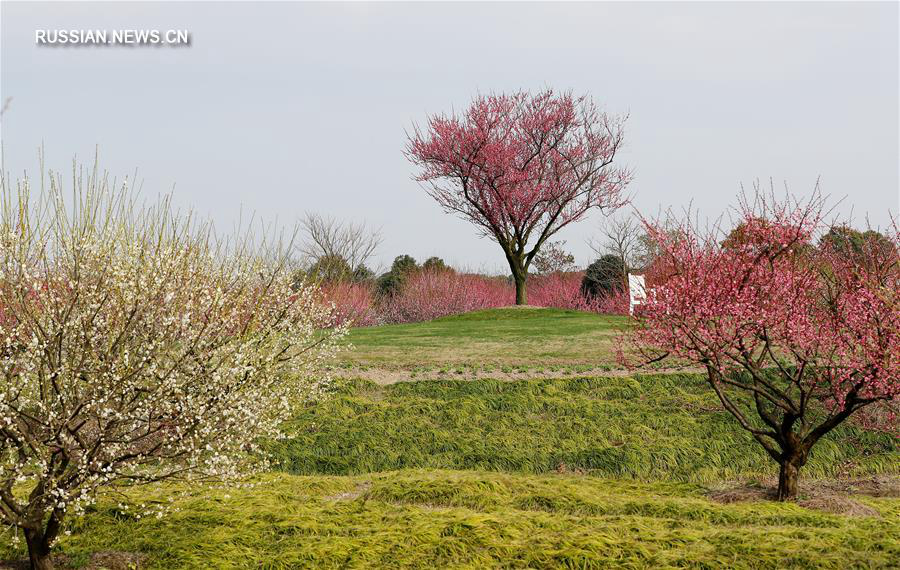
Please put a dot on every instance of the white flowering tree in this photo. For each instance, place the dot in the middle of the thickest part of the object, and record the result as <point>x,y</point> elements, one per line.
<point>136,347</point>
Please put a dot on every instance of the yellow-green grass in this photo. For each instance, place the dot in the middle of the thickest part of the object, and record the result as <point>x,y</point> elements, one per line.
<point>665,427</point>
<point>444,519</point>
<point>494,337</point>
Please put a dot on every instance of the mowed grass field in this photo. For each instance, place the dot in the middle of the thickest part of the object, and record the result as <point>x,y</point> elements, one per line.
<point>491,338</point>
<point>579,470</point>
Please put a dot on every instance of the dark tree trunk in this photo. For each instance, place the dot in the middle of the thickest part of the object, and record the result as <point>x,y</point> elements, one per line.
<point>521,293</point>
<point>787,481</point>
<point>38,550</point>
<point>519,269</point>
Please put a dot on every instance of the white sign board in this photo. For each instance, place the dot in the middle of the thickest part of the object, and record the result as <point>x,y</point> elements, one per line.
<point>636,291</point>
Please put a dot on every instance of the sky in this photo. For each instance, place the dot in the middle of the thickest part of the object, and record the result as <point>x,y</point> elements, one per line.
<point>284,108</point>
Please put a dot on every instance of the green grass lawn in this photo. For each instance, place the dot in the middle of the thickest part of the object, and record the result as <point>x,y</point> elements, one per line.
<point>527,336</point>
<point>563,472</point>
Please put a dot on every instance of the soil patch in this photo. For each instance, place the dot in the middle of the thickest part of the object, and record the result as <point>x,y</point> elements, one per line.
<point>356,493</point>
<point>829,495</point>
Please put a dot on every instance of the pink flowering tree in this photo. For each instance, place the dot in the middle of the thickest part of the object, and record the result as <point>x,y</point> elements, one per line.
<point>794,338</point>
<point>521,167</point>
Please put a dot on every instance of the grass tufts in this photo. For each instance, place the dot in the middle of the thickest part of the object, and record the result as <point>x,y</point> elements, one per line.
<point>655,427</point>
<point>439,519</point>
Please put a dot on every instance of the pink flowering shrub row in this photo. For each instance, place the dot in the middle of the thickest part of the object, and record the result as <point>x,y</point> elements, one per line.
<point>560,290</point>
<point>563,291</point>
<point>353,302</point>
<point>427,295</point>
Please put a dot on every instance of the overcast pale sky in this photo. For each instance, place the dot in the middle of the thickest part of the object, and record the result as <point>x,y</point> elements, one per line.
<point>281,108</point>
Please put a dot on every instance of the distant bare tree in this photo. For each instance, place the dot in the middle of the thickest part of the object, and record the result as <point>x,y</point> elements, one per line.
<point>326,238</point>
<point>624,237</point>
<point>553,258</point>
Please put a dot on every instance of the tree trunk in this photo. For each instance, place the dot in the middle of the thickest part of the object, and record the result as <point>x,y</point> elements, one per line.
<point>521,293</point>
<point>519,269</point>
<point>38,550</point>
<point>787,481</point>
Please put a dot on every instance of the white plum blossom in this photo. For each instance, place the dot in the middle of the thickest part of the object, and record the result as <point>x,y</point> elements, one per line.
<point>137,347</point>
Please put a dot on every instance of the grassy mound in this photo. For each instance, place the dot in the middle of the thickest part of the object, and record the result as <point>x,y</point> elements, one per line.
<point>490,337</point>
<point>659,427</point>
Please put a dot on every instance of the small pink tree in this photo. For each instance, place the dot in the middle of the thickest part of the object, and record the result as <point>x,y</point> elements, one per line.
<point>521,167</point>
<point>794,338</point>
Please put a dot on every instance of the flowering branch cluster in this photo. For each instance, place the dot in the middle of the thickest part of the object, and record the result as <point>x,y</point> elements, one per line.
<point>136,348</point>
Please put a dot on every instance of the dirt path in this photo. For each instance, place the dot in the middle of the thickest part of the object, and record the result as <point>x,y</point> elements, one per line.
<point>384,377</point>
